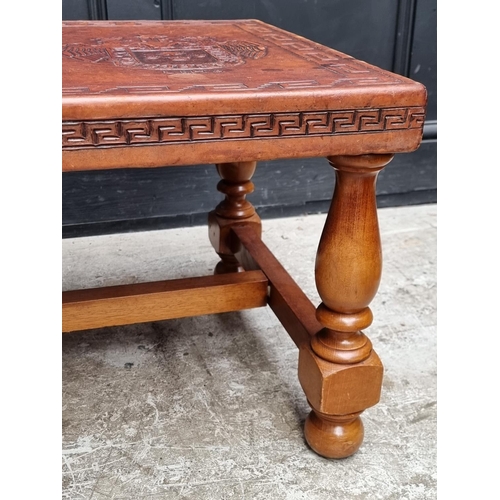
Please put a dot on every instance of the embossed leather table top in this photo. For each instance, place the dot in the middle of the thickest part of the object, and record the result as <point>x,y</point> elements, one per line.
<point>135,94</point>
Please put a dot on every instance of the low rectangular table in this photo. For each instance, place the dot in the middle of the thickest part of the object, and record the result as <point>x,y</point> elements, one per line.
<point>231,93</point>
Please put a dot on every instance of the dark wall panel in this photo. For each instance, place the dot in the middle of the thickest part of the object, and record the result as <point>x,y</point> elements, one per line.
<point>423,61</point>
<point>134,9</point>
<point>213,9</point>
<point>75,10</point>
<point>363,29</point>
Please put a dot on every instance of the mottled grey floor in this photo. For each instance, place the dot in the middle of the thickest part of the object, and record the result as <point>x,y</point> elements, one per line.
<point>211,408</point>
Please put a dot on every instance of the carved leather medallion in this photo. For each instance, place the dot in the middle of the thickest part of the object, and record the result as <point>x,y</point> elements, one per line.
<point>161,53</point>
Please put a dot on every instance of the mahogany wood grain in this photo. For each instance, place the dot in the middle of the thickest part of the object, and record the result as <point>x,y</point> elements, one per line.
<point>290,304</point>
<point>337,437</point>
<point>349,260</point>
<point>235,184</point>
<point>339,372</point>
<point>161,300</point>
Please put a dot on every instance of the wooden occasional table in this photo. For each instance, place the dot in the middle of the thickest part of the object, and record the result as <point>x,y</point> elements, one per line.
<point>178,93</point>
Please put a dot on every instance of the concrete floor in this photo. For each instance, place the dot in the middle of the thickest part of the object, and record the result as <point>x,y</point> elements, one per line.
<point>211,408</point>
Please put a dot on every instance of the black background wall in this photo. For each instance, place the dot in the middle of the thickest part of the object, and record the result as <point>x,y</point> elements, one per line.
<point>399,36</point>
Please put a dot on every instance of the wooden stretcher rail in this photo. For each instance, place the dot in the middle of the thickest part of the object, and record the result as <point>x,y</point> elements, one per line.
<point>290,304</point>
<point>161,300</point>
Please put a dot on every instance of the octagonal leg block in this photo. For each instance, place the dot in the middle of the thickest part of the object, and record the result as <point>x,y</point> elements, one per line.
<point>337,394</point>
<point>235,184</point>
<point>224,242</point>
<point>338,369</point>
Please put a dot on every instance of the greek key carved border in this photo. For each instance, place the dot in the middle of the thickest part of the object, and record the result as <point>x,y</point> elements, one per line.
<point>146,131</point>
<point>345,67</point>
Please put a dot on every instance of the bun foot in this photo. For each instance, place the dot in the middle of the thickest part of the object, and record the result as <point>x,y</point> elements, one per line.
<point>334,436</point>
<point>228,264</point>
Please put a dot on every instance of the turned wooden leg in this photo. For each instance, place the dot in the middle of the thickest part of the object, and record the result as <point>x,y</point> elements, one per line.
<point>339,371</point>
<point>235,184</point>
